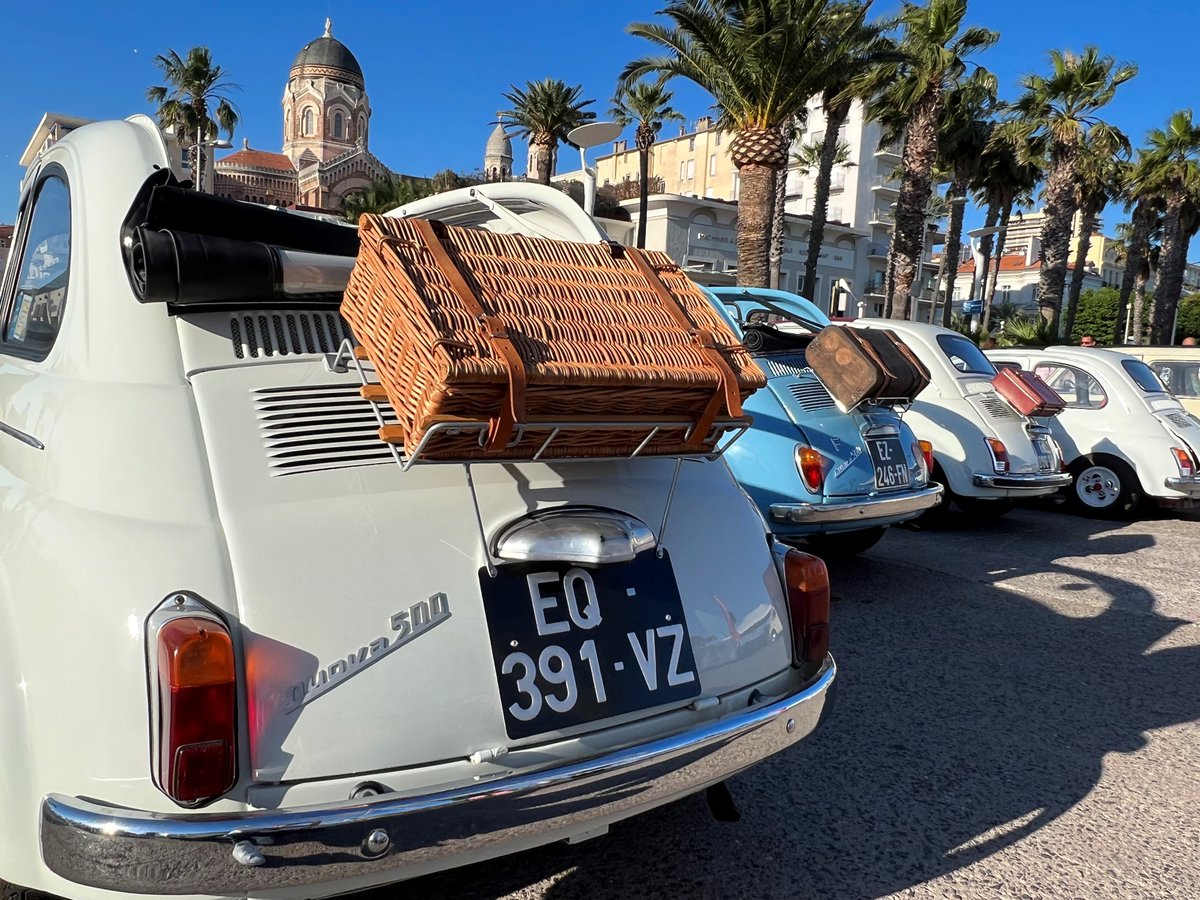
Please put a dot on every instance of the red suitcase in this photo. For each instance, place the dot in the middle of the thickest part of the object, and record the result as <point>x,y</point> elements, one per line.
<point>1027,394</point>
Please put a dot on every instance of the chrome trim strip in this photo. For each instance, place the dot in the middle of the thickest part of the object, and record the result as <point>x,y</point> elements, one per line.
<point>133,851</point>
<point>881,507</point>
<point>22,436</point>
<point>1023,481</point>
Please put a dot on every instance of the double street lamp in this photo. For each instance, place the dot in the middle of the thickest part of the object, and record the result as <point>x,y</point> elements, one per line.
<point>200,144</point>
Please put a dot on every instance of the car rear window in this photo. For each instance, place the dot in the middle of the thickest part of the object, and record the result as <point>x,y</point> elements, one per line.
<point>1182,377</point>
<point>965,355</point>
<point>1143,375</point>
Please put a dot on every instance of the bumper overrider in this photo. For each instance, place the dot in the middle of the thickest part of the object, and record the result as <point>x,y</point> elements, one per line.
<point>907,504</point>
<point>209,853</point>
<point>1185,484</point>
<point>1038,483</point>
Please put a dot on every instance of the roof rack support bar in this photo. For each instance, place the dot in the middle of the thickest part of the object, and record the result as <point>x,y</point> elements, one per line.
<point>662,529</point>
<point>483,544</point>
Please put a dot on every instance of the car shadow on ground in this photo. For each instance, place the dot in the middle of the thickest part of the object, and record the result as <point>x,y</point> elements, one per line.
<point>967,718</point>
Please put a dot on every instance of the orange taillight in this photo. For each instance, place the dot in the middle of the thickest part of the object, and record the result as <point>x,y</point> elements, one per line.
<point>807,582</point>
<point>927,453</point>
<point>1183,459</point>
<point>999,455</point>
<point>197,693</point>
<point>812,468</point>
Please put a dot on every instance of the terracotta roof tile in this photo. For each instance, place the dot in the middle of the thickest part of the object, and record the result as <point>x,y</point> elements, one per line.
<point>260,159</point>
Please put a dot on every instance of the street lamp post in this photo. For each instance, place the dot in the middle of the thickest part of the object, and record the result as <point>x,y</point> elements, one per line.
<point>216,143</point>
<point>977,255</point>
<point>584,137</point>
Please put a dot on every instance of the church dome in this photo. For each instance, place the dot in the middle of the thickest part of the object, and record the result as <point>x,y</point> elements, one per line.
<point>499,144</point>
<point>328,56</point>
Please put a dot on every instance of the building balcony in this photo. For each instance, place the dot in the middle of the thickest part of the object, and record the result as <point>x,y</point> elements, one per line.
<point>882,217</point>
<point>885,184</point>
<point>874,289</point>
<point>888,151</point>
<point>877,251</point>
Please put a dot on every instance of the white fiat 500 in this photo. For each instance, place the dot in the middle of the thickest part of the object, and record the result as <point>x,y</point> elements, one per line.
<point>1124,436</point>
<point>248,651</point>
<point>985,452</point>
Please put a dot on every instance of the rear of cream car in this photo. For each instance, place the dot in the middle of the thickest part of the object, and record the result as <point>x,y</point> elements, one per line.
<point>984,450</point>
<point>284,667</point>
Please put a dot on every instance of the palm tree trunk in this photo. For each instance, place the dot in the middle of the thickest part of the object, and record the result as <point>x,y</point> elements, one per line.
<point>989,294</point>
<point>1173,258</point>
<point>834,117</point>
<point>1061,201</point>
<point>643,195</point>
<point>1139,302</point>
<point>754,223</point>
<point>952,249</point>
<point>541,158</point>
<point>1085,244</point>
<point>985,248</point>
<point>1142,220</point>
<point>779,211</point>
<point>920,150</point>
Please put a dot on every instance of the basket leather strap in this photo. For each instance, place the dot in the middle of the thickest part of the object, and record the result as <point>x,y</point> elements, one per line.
<point>492,328</point>
<point>728,393</point>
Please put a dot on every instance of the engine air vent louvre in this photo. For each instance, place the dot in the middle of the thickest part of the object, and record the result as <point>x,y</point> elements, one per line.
<point>311,428</point>
<point>793,364</point>
<point>1181,420</point>
<point>996,407</point>
<point>811,395</point>
<point>266,334</point>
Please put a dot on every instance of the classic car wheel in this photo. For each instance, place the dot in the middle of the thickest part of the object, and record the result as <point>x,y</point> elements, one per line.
<point>983,509</point>
<point>846,543</point>
<point>1104,487</point>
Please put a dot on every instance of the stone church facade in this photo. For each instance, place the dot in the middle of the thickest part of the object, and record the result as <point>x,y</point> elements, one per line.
<point>326,123</point>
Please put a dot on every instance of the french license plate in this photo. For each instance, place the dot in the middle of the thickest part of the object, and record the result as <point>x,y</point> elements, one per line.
<point>891,468</point>
<point>574,645</point>
<point>1045,456</point>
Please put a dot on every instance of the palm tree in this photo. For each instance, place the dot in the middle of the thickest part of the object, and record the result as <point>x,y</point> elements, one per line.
<point>649,105</point>
<point>1135,236</point>
<point>1005,180</point>
<point>1052,117</point>
<point>907,96</point>
<point>1101,173</point>
<point>384,194</point>
<point>865,47</point>
<point>544,112</point>
<point>760,60</point>
<point>193,102</point>
<point>1172,171</point>
<point>1144,235</point>
<point>965,133</point>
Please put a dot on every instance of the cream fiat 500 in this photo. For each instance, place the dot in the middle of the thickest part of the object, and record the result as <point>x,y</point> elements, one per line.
<point>250,651</point>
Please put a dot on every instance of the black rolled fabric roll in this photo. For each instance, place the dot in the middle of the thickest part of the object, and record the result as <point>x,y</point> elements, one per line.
<point>183,268</point>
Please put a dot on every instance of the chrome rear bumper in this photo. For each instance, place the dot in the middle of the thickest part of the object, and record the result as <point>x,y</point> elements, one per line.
<point>1185,484</point>
<point>156,853</point>
<point>1041,483</point>
<point>882,507</point>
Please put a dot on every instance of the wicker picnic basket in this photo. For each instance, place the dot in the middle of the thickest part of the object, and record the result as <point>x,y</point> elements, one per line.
<point>589,345</point>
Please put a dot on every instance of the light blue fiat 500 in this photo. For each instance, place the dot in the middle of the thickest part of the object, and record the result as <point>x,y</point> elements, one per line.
<point>832,479</point>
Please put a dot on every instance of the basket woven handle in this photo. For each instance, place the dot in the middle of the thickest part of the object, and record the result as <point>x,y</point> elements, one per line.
<point>501,429</point>
<point>728,393</point>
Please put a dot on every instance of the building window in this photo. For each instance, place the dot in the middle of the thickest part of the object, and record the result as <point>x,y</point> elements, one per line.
<point>692,142</point>
<point>737,185</point>
<point>339,126</point>
<point>691,169</point>
<point>306,127</point>
<point>717,139</point>
<point>682,169</point>
<point>712,164</point>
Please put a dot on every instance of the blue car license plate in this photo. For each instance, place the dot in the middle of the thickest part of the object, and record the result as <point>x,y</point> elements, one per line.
<point>891,468</point>
<point>574,645</point>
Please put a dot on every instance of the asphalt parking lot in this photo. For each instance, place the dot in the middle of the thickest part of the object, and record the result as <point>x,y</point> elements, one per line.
<point>1017,717</point>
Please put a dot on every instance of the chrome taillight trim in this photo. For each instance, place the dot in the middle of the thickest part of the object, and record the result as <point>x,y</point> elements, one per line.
<point>574,534</point>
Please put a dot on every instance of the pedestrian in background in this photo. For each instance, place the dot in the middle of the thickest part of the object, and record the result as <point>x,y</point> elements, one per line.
<point>1087,341</point>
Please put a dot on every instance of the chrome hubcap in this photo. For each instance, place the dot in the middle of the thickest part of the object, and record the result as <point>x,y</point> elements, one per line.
<point>1098,487</point>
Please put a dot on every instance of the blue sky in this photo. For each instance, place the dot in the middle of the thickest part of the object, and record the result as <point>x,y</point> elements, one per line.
<point>435,71</point>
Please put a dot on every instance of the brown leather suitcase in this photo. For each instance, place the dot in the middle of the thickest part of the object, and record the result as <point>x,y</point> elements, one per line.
<point>846,363</point>
<point>1027,393</point>
<point>909,375</point>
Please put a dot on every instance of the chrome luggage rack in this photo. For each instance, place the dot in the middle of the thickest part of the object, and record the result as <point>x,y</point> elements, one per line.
<point>725,431</point>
